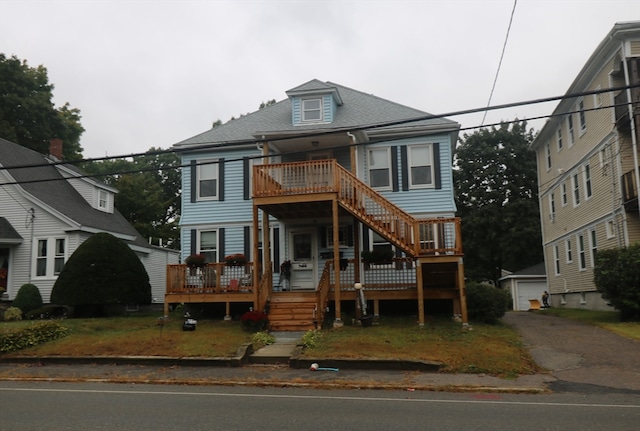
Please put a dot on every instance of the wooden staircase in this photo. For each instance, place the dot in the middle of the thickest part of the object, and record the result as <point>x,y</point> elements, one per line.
<point>292,311</point>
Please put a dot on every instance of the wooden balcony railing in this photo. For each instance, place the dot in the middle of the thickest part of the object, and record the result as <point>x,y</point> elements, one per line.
<point>414,237</point>
<point>212,278</point>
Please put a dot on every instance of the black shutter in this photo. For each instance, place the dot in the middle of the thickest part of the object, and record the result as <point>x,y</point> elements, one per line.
<point>350,235</point>
<point>247,242</point>
<point>394,169</point>
<point>404,160</point>
<point>276,250</point>
<point>194,239</point>
<point>221,179</point>
<point>221,252</point>
<point>246,176</point>
<point>365,238</point>
<point>194,180</point>
<point>437,175</point>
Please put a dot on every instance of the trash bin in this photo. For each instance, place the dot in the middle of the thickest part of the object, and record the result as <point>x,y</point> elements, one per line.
<point>366,320</point>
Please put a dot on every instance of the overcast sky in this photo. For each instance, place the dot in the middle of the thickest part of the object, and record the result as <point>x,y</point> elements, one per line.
<point>152,73</point>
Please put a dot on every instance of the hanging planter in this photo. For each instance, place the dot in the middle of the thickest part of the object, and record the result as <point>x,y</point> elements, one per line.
<point>237,259</point>
<point>196,261</point>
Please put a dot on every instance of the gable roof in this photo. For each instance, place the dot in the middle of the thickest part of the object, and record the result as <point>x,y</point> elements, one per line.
<point>538,270</point>
<point>359,111</point>
<point>7,233</point>
<point>44,182</point>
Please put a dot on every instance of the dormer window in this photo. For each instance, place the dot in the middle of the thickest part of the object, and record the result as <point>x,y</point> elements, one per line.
<point>311,110</point>
<point>103,200</point>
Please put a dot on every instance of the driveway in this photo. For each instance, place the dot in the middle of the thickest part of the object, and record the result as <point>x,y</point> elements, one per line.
<point>579,356</point>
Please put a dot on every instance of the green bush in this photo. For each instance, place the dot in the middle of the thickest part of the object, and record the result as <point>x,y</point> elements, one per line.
<point>261,339</point>
<point>485,302</point>
<point>12,314</point>
<point>617,278</point>
<point>28,298</point>
<point>311,338</point>
<point>102,272</point>
<point>30,336</point>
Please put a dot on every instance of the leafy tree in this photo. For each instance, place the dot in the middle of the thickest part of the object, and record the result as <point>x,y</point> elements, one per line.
<point>102,271</point>
<point>497,198</point>
<point>149,192</point>
<point>27,114</point>
<point>617,278</point>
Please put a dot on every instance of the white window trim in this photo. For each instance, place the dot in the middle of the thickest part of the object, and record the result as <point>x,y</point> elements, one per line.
<point>431,184</point>
<point>588,181</point>
<point>50,257</point>
<point>582,116</point>
<point>571,129</point>
<point>556,259</point>
<point>547,153</point>
<point>199,179</point>
<point>303,111</point>
<point>568,250</point>
<point>565,198</point>
<point>575,187</point>
<point>552,207</point>
<point>611,231</point>
<point>108,200</point>
<point>389,168</point>
<point>559,141</point>
<point>593,246</point>
<point>199,245</point>
<point>597,98</point>
<point>580,245</point>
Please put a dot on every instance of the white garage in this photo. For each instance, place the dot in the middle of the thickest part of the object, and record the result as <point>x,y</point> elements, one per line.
<point>526,284</point>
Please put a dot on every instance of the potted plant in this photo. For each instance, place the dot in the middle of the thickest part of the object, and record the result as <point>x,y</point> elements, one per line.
<point>285,269</point>
<point>237,259</point>
<point>195,261</point>
<point>377,256</point>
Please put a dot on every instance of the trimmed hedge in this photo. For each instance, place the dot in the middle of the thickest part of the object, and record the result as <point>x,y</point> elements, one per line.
<point>486,303</point>
<point>30,336</point>
<point>28,298</point>
<point>617,278</point>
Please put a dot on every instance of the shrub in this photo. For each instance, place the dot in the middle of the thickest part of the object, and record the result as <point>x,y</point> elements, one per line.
<point>28,298</point>
<point>261,339</point>
<point>103,271</point>
<point>30,336</point>
<point>485,302</point>
<point>12,314</point>
<point>254,321</point>
<point>617,278</point>
<point>49,311</point>
<point>311,338</point>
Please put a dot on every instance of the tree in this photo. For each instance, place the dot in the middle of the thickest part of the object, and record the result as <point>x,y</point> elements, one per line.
<point>28,298</point>
<point>102,271</point>
<point>617,278</point>
<point>149,192</point>
<point>27,114</point>
<point>497,197</point>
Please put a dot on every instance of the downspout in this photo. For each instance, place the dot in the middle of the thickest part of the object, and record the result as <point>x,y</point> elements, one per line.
<point>31,215</point>
<point>634,141</point>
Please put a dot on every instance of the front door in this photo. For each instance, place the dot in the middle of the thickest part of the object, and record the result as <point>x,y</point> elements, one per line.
<point>303,250</point>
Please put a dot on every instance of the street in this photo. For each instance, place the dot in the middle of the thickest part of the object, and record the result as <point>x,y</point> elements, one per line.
<point>103,406</point>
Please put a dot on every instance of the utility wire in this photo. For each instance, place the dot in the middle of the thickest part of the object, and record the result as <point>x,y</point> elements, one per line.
<point>504,48</point>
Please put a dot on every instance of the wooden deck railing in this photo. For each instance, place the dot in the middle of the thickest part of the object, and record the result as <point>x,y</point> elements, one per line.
<point>400,274</point>
<point>414,237</point>
<point>212,278</point>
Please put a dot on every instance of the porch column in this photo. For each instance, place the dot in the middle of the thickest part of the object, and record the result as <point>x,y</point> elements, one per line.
<point>462,293</point>
<point>256,261</point>
<point>420,287</point>
<point>336,260</point>
<point>356,250</point>
<point>266,252</point>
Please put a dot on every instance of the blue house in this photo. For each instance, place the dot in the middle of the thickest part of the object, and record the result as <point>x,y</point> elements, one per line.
<point>329,199</point>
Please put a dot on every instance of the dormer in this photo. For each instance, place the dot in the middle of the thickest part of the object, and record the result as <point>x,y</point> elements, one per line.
<point>314,103</point>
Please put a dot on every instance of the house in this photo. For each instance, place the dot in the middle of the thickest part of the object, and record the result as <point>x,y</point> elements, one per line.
<point>588,176</point>
<point>302,188</point>
<point>47,209</point>
<point>525,285</point>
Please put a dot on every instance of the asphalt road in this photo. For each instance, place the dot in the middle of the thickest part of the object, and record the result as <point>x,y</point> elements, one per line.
<point>91,406</point>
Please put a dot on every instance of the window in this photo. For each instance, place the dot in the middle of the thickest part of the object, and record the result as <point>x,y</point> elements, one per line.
<point>344,234</point>
<point>582,258</point>
<point>576,190</point>
<point>567,245</point>
<point>556,259</point>
<point>103,200</point>
<point>547,151</point>
<point>50,256</point>
<point>379,168</point>
<point>208,245</point>
<point>208,180</point>
<point>610,229</point>
<point>597,98</point>
<point>572,137</point>
<point>594,246</point>
<point>587,181</point>
<point>380,244</point>
<point>604,159</point>
<point>565,199</point>
<point>312,110</point>
<point>552,206</point>
<point>420,162</point>
<point>582,117</point>
<point>559,138</point>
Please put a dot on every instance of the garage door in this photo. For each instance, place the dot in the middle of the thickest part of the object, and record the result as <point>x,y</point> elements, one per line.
<point>529,290</point>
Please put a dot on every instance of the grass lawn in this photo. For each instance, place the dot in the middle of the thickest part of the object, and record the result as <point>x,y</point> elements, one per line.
<point>608,320</point>
<point>491,349</point>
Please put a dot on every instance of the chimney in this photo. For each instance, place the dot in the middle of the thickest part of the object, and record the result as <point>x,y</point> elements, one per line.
<point>55,148</point>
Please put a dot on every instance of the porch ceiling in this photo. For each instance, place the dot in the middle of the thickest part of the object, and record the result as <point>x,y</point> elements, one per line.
<point>301,210</point>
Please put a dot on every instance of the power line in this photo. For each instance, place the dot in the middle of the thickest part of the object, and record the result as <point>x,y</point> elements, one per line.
<point>504,48</point>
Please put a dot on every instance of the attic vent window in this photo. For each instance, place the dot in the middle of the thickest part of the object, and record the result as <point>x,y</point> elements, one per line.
<point>312,110</point>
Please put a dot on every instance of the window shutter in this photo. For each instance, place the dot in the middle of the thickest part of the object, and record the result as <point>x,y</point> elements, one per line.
<point>436,166</point>
<point>246,176</point>
<point>221,179</point>
<point>365,238</point>
<point>350,235</point>
<point>394,169</point>
<point>194,180</point>
<point>276,250</point>
<point>404,160</point>
<point>247,242</point>
<point>194,240</point>
<point>221,251</point>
